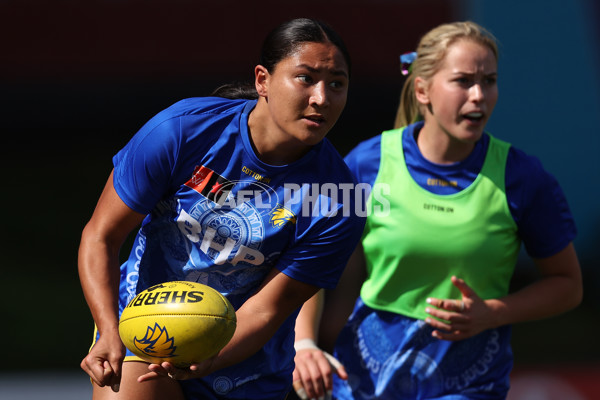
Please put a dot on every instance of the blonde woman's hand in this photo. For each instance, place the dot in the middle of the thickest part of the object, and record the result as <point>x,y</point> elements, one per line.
<point>454,319</point>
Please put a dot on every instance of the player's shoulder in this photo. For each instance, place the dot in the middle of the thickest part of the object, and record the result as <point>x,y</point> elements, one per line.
<point>330,162</point>
<point>200,113</point>
<point>206,106</point>
<point>372,143</point>
<point>527,172</point>
<point>365,150</point>
<point>371,147</point>
<point>530,165</point>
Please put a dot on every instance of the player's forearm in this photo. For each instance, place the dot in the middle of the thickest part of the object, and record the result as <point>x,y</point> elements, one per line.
<point>548,297</point>
<point>99,277</point>
<point>259,318</point>
<point>307,323</point>
<point>560,289</point>
<point>253,331</point>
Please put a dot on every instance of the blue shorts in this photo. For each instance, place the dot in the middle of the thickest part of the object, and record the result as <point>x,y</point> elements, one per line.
<point>390,356</point>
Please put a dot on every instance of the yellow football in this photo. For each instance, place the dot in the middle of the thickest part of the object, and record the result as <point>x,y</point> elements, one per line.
<point>180,322</point>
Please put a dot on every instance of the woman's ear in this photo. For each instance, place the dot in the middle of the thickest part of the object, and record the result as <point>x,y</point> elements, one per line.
<point>261,80</point>
<point>421,90</point>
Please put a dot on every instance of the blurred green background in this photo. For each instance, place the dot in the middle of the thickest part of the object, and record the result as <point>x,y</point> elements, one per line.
<point>79,78</point>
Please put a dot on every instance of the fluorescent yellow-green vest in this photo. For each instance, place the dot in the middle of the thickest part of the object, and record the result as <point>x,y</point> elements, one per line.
<point>415,240</point>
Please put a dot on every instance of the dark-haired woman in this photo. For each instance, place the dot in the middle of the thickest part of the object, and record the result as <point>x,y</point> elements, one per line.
<point>244,195</point>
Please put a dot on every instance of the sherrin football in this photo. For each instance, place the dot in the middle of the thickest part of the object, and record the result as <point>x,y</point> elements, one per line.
<point>180,322</point>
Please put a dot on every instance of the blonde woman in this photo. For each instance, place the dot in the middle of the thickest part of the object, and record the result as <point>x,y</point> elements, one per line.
<point>450,207</point>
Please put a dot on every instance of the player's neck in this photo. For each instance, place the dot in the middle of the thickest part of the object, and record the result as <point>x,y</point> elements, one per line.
<point>266,145</point>
<point>441,147</point>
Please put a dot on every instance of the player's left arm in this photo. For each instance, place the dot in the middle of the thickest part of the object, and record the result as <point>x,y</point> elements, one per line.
<point>559,289</point>
<point>262,315</point>
<point>257,321</point>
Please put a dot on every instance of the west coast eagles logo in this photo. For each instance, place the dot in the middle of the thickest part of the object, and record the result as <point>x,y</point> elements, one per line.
<point>156,343</point>
<point>280,216</point>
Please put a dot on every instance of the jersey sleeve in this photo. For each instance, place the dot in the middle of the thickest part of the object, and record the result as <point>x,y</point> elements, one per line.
<point>363,160</point>
<point>539,206</point>
<point>153,163</point>
<point>143,168</point>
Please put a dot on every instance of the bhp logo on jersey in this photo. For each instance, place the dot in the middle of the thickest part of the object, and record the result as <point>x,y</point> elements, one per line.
<point>210,184</point>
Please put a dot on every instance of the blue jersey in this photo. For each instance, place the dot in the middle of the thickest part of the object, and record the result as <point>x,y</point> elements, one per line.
<point>218,215</point>
<point>393,356</point>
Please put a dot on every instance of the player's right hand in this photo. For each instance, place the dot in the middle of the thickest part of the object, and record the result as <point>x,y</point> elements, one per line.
<point>313,375</point>
<point>195,371</point>
<point>104,361</point>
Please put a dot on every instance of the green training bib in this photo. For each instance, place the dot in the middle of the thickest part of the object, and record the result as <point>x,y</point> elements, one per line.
<point>415,240</point>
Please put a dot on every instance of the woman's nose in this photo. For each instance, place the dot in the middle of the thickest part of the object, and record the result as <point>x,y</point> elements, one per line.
<point>475,92</point>
<point>319,94</point>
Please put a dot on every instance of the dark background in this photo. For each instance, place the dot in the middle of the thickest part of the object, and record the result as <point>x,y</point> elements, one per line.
<point>77,79</point>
